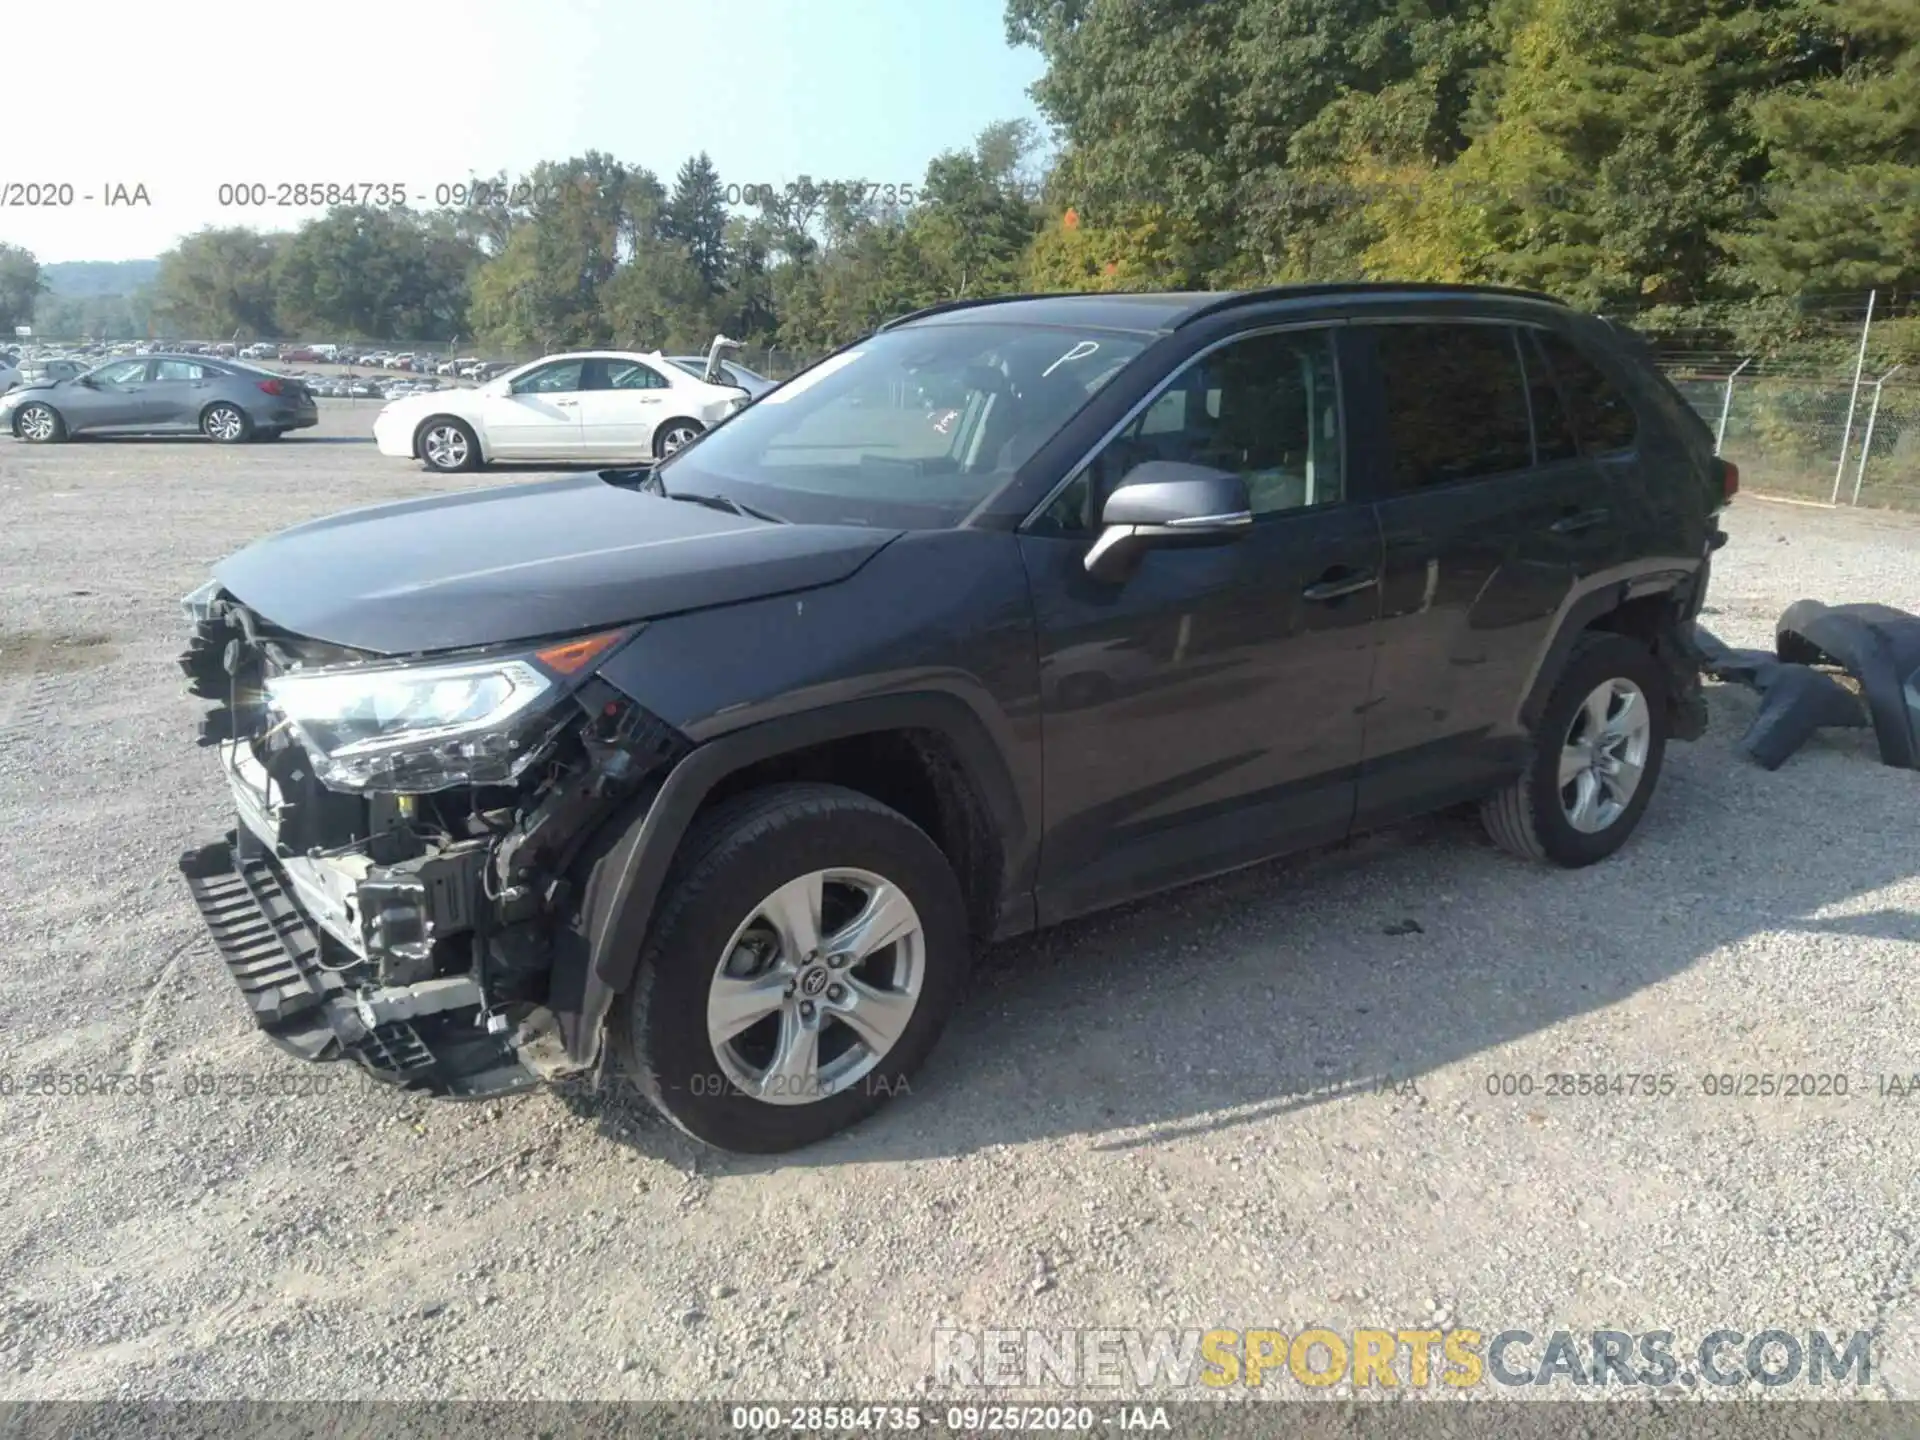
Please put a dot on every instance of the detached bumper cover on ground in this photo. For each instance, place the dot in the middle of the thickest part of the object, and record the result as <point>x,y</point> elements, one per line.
<point>1877,645</point>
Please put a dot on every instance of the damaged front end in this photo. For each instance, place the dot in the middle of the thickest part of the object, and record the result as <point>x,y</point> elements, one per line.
<point>398,879</point>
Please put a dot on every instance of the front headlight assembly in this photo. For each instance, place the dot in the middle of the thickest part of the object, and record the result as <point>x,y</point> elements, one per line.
<point>414,729</point>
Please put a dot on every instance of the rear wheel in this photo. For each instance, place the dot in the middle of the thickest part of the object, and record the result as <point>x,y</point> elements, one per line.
<point>675,435</point>
<point>1598,749</point>
<point>226,424</point>
<point>809,946</point>
<point>39,423</point>
<point>448,445</point>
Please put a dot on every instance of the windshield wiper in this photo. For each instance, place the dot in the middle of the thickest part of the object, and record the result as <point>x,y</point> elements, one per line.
<point>723,502</point>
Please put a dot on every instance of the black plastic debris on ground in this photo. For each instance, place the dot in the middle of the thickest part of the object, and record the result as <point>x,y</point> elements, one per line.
<point>1877,645</point>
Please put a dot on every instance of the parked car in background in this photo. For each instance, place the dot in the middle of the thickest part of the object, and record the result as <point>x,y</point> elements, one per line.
<point>226,400</point>
<point>604,405</point>
<point>754,383</point>
<point>300,355</point>
<point>43,371</point>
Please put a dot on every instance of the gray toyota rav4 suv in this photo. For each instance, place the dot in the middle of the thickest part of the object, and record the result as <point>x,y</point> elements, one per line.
<point>719,772</point>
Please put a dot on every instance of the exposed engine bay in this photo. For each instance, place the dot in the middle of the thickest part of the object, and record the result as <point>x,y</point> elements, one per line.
<point>391,894</point>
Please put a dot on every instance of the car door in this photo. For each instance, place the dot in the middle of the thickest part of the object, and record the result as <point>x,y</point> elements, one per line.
<point>621,410</point>
<point>1206,711</point>
<point>539,416</point>
<point>175,394</point>
<point>116,398</point>
<point>1490,516</point>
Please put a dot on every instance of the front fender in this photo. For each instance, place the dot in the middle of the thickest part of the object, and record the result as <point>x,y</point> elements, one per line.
<point>934,633</point>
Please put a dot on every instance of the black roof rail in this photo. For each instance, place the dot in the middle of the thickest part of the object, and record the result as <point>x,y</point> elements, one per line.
<point>945,305</point>
<point>1361,287</point>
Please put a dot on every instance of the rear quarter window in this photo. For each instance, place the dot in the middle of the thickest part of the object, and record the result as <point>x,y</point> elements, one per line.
<point>1603,415</point>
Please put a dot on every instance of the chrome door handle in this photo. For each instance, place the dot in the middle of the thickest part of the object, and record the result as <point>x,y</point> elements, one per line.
<point>1334,589</point>
<point>1581,520</point>
<point>566,404</point>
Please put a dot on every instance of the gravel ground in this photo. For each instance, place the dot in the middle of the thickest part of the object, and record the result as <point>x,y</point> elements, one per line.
<point>1137,1120</point>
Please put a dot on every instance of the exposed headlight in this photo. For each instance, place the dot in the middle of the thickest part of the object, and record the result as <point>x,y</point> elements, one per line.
<point>418,728</point>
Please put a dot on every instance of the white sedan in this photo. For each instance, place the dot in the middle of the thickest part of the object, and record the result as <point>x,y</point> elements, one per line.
<point>598,405</point>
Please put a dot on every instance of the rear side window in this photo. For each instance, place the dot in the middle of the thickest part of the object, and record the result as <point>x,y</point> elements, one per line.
<point>1553,435</point>
<point>1456,403</point>
<point>1602,415</point>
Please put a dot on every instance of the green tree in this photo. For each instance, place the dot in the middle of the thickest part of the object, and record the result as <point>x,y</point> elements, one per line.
<point>1613,151</point>
<point>378,274</point>
<point>695,218</point>
<point>1194,108</point>
<point>20,286</point>
<point>546,289</point>
<point>217,281</point>
<point>1843,196</point>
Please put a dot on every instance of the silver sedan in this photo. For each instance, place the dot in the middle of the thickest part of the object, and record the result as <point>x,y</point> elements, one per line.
<point>225,400</point>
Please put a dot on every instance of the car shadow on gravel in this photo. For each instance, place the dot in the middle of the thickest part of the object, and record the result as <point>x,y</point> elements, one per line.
<point>1356,969</point>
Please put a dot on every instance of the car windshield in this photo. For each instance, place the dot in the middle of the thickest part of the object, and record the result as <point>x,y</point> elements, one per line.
<point>913,427</point>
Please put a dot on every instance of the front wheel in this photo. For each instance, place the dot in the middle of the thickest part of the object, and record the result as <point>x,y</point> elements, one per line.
<point>448,445</point>
<point>40,424</point>
<point>1598,748</point>
<point>226,424</point>
<point>808,948</point>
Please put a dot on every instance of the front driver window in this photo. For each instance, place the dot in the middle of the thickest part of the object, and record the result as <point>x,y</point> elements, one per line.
<point>1266,408</point>
<point>125,373</point>
<point>555,379</point>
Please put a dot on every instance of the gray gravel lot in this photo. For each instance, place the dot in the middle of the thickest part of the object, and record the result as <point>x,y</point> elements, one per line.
<point>1136,1120</point>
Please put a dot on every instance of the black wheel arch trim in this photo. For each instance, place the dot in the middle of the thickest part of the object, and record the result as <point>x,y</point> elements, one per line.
<point>1682,582</point>
<point>645,853</point>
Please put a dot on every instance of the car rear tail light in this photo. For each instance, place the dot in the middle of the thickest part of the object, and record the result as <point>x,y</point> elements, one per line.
<point>1730,479</point>
<point>272,387</point>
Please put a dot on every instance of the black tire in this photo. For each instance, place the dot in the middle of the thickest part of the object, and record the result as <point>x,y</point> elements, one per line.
<point>469,457</point>
<point>679,423</point>
<point>52,436</point>
<point>1528,818</point>
<point>215,426</point>
<point>729,862</point>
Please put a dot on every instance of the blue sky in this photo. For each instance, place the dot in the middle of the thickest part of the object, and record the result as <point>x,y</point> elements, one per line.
<point>420,92</point>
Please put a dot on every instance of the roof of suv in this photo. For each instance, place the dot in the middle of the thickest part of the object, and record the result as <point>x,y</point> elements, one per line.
<point>1160,312</point>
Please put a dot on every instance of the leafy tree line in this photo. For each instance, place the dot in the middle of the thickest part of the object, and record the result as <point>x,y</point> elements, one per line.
<point>1703,165</point>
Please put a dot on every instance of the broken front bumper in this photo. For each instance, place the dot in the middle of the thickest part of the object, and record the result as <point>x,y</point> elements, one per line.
<point>431,1035</point>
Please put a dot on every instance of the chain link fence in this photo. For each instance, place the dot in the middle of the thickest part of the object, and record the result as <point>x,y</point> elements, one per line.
<point>1793,434</point>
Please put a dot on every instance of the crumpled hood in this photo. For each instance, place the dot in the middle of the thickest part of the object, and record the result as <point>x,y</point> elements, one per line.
<point>517,562</point>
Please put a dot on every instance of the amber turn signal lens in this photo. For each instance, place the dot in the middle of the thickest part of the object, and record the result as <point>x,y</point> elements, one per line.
<point>574,655</point>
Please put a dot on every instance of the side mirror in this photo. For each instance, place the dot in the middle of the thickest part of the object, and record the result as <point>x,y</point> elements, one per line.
<point>1167,503</point>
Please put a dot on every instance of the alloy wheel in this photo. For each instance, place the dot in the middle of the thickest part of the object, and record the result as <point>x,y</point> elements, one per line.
<point>37,423</point>
<point>678,438</point>
<point>816,986</point>
<point>445,447</point>
<point>225,423</point>
<point>1604,755</point>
